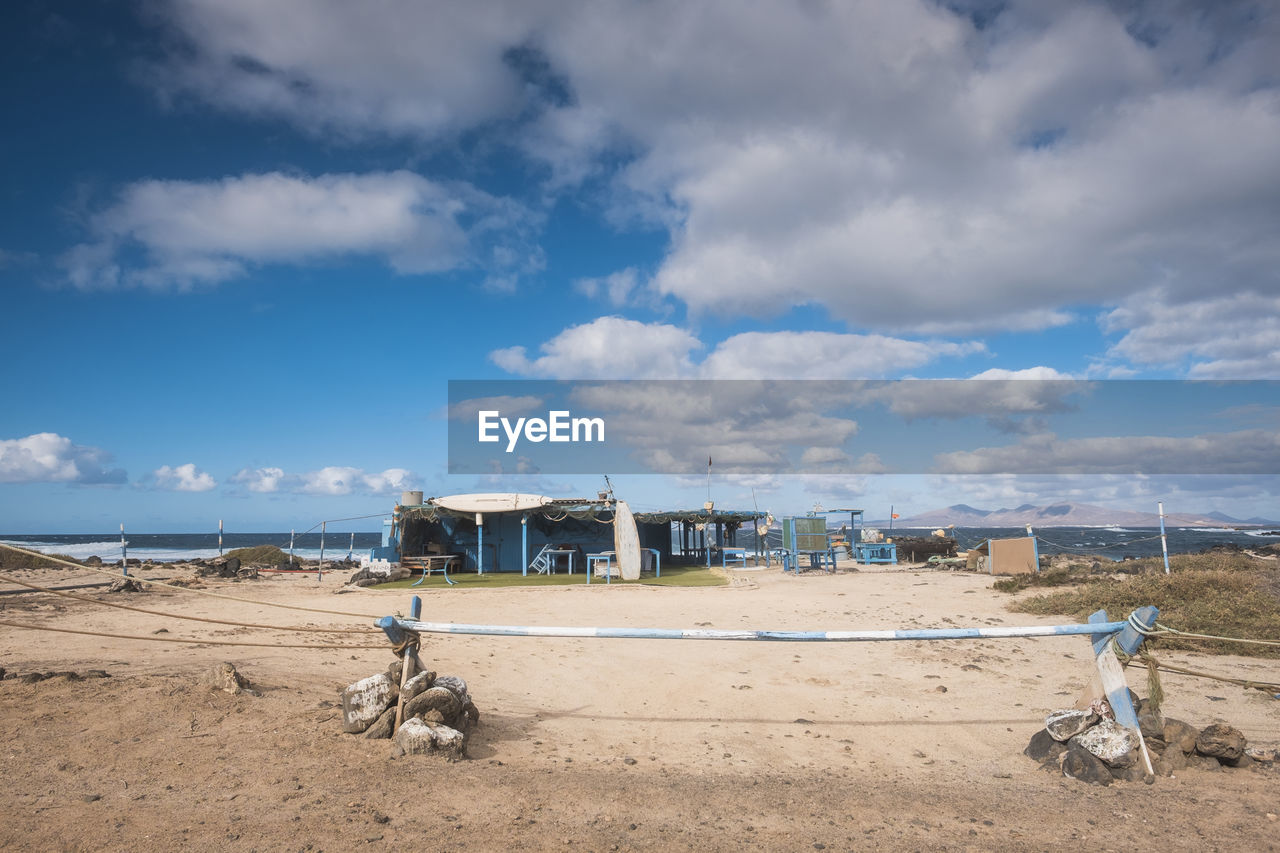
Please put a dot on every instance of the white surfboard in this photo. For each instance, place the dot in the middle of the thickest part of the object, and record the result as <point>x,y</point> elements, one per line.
<point>491,502</point>
<point>626,542</point>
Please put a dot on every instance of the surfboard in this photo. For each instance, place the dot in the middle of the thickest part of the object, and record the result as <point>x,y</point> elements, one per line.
<point>626,542</point>
<point>491,502</point>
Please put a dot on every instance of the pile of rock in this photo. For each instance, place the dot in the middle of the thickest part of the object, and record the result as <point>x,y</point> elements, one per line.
<point>224,567</point>
<point>1091,746</point>
<point>375,574</point>
<point>437,710</point>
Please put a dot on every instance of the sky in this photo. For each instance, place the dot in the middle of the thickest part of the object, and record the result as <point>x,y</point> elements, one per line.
<point>245,246</point>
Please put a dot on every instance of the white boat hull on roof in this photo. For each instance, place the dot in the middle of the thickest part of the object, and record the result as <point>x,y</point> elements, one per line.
<point>491,502</point>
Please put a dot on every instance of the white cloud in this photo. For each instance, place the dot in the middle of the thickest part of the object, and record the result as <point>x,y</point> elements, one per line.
<point>194,233</point>
<point>893,163</point>
<point>606,348</point>
<point>261,480</point>
<point>47,457</point>
<point>183,478</point>
<point>1242,452</point>
<point>617,348</point>
<point>617,288</point>
<point>1224,337</point>
<point>330,480</point>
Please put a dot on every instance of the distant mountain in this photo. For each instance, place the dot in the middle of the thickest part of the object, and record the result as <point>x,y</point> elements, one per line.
<point>1061,515</point>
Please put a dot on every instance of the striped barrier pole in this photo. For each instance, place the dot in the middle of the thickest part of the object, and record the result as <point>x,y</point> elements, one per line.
<point>394,628</point>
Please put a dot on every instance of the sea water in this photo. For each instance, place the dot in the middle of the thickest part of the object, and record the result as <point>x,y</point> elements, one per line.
<point>175,547</point>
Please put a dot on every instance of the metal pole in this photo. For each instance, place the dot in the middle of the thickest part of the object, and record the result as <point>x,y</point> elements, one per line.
<point>219,537</point>
<point>291,548</point>
<point>124,552</point>
<point>320,567</point>
<point>351,549</point>
<point>1164,542</point>
<point>479,544</point>
<point>524,545</point>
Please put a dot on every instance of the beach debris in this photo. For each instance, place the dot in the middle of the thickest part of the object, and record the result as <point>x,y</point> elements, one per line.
<point>227,678</point>
<point>126,585</point>
<point>1066,724</point>
<point>438,711</point>
<point>1222,742</point>
<point>1174,746</point>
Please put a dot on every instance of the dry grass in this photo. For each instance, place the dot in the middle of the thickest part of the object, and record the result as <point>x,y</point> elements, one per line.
<point>1221,593</point>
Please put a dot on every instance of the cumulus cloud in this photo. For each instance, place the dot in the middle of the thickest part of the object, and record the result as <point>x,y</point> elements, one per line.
<point>1242,452</point>
<point>330,480</point>
<point>909,166</point>
<point>606,348</point>
<point>47,457</point>
<point>1222,337</point>
<point>183,478</point>
<point>192,233</point>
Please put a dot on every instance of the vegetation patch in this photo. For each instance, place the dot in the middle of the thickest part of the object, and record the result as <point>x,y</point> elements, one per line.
<point>1223,594</point>
<point>12,560</point>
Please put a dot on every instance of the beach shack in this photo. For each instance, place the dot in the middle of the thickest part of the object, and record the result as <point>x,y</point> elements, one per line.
<point>1018,556</point>
<point>513,532</point>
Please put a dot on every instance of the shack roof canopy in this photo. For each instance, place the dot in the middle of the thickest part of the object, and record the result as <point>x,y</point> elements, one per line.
<point>581,508</point>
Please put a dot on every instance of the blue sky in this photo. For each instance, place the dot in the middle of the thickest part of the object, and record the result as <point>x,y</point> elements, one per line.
<point>244,246</point>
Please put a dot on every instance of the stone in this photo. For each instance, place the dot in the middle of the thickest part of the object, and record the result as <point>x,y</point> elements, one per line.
<point>1044,747</point>
<point>1260,754</point>
<point>1080,763</point>
<point>1175,758</point>
<point>364,701</point>
<point>416,737</point>
<point>383,727</point>
<point>419,683</point>
<point>1163,767</point>
<point>1222,742</point>
<point>1180,734</point>
<point>393,671</point>
<point>1065,724</point>
<point>1151,726</point>
<point>456,685</point>
<point>1110,742</point>
<point>125,585</point>
<point>226,678</point>
<point>1132,773</point>
<point>435,698</point>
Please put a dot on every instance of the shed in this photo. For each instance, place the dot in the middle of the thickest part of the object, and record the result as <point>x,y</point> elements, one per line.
<point>1006,556</point>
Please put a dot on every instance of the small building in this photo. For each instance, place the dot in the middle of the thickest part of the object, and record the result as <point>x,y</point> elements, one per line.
<point>513,530</point>
<point>1017,556</point>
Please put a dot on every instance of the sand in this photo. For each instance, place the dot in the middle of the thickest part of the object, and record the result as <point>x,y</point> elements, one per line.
<point>594,744</point>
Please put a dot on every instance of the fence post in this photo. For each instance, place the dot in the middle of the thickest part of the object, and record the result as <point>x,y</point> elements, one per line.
<point>124,552</point>
<point>320,567</point>
<point>1112,674</point>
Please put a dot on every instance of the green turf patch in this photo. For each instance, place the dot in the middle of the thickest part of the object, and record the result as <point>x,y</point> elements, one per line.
<point>671,576</point>
<point>261,555</point>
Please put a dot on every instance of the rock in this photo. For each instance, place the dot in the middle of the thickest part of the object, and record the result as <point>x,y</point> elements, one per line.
<point>393,671</point>
<point>1221,741</point>
<point>364,701</point>
<point>125,585</point>
<point>224,677</point>
<point>417,684</point>
<point>1203,762</point>
<point>471,714</point>
<point>1151,726</point>
<point>1163,767</point>
<point>415,737</point>
<point>435,698</point>
<point>1110,742</point>
<point>382,727</point>
<point>1066,724</point>
<point>1044,747</point>
<point>1133,773</point>
<point>456,685</point>
<point>1175,758</point>
<point>1180,734</point>
<point>1262,755</point>
<point>1080,763</point>
<point>95,560</point>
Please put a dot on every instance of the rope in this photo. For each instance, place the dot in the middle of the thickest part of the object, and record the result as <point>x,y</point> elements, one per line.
<point>1264,686</point>
<point>186,589</point>
<point>11,579</point>
<point>1088,548</point>
<point>1164,629</point>
<point>181,639</point>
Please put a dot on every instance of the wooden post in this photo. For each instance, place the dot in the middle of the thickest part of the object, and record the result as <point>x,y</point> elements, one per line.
<point>219,537</point>
<point>409,653</point>
<point>124,552</point>
<point>320,567</point>
<point>1112,674</point>
<point>1164,542</point>
<point>291,532</point>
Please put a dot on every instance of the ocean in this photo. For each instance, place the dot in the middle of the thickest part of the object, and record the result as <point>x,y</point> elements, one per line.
<point>174,547</point>
<point>1113,543</point>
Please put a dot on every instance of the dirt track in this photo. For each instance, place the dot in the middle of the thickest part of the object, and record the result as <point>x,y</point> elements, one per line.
<point>596,744</point>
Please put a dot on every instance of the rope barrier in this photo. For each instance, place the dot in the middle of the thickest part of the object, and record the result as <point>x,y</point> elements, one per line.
<point>120,606</point>
<point>187,589</point>
<point>1264,686</point>
<point>1164,629</point>
<point>182,639</point>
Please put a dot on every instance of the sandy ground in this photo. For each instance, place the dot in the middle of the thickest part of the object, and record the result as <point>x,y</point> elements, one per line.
<point>594,744</point>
